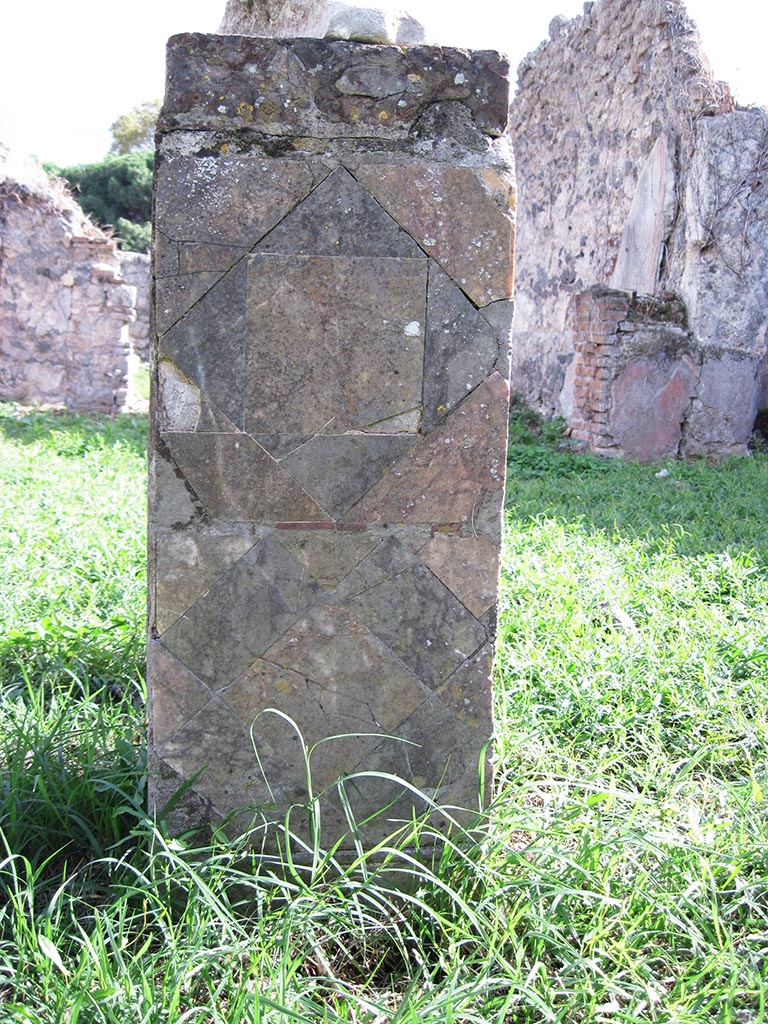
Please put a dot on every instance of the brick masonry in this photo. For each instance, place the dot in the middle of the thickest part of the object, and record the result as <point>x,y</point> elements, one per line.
<point>635,371</point>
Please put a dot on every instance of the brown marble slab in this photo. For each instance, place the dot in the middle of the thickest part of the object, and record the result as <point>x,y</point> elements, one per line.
<point>455,218</point>
<point>332,338</point>
<point>449,474</point>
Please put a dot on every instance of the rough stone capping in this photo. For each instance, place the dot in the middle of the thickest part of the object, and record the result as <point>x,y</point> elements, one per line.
<point>332,306</point>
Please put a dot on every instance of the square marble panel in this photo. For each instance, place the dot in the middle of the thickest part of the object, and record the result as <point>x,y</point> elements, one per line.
<point>332,337</point>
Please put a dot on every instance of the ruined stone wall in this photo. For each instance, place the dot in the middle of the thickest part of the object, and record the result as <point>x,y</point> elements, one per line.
<point>64,307</point>
<point>721,273</point>
<point>134,268</point>
<point>625,148</point>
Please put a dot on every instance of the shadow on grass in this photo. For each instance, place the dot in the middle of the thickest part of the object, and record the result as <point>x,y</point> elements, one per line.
<point>696,506</point>
<point>72,434</point>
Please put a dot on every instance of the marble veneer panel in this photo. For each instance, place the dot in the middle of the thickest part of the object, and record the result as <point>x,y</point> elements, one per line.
<point>332,282</point>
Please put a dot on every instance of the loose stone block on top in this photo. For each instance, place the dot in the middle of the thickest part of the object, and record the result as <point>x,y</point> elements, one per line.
<point>333,273</point>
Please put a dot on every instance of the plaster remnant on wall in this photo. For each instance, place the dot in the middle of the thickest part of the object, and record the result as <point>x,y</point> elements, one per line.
<point>636,172</point>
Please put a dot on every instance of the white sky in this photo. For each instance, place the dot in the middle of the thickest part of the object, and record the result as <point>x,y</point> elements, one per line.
<point>68,70</point>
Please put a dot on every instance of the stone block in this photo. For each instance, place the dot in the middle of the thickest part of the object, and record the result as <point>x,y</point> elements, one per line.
<point>330,408</point>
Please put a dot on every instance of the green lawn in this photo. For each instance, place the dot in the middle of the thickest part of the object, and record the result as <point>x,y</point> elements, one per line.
<point>621,875</point>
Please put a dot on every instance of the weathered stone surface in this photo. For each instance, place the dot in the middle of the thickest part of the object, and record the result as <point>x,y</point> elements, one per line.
<point>451,212</point>
<point>177,294</point>
<point>341,656</point>
<point>461,348</point>
<point>723,412</point>
<point>391,557</point>
<point>229,200</point>
<point>244,611</point>
<point>180,399</point>
<point>329,557</point>
<point>208,343</point>
<point>431,752</point>
<point>648,224</point>
<point>188,563</point>
<point>373,25</point>
<point>316,715</point>
<point>467,691</point>
<point>590,104</point>
<point>649,399</point>
<point>173,501</point>
<point>295,90</point>
<point>176,695</point>
<point>340,218</point>
<point>236,480</point>
<point>329,428</point>
<point>598,104</point>
<point>422,622</point>
<point>280,18</point>
<point>333,337</point>
<point>134,269</point>
<point>468,566</point>
<point>634,373</point>
<point>446,477</point>
<point>238,779</point>
<point>338,470</point>
<point>724,282</point>
<point>288,18</point>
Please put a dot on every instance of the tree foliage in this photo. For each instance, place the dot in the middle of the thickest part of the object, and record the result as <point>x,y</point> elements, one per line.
<point>136,129</point>
<point>116,193</point>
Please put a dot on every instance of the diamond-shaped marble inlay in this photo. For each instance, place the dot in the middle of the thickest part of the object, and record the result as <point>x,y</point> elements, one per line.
<point>244,612</point>
<point>176,694</point>
<point>340,219</point>
<point>447,476</point>
<point>338,470</point>
<point>421,621</point>
<point>189,562</point>
<point>236,480</point>
<point>237,780</point>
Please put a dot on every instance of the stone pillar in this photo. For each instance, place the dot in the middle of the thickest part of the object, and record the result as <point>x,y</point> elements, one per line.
<point>332,282</point>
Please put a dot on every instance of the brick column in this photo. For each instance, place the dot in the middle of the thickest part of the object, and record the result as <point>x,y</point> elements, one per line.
<point>332,282</point>
<point>595,318</point>
<point>635,371</point>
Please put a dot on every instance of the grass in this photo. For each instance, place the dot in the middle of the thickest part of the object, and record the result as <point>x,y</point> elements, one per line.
<point>621,875</point>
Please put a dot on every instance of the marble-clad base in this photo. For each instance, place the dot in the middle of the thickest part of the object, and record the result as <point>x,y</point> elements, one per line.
<point>330,403</point>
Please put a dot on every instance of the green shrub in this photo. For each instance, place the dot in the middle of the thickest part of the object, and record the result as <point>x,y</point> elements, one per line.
<point>116,192</point>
